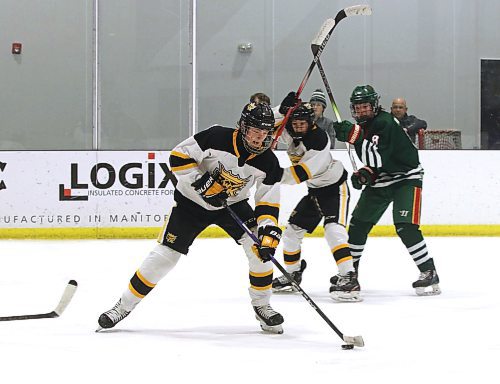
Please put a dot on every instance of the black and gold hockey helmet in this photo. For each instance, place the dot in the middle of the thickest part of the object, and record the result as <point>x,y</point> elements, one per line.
<point>304,112</point>
<point>258,116</point>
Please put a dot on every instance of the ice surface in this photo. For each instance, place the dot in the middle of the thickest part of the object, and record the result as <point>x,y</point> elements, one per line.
<point>197,325</point>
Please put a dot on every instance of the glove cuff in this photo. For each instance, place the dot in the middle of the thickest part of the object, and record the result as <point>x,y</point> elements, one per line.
<point>354,134</point>
<point>368,174</point>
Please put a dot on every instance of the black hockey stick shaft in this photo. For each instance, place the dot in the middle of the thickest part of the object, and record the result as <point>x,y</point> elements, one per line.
<point>320,41</point>
<point>335,110</point>
<point>284,272</point>
<point>66,297</point>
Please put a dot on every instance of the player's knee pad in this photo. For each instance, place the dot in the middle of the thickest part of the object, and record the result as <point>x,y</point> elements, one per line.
<point>159,262</point>
<point>359,228</point>
<point>292,237</point>
<point>409,233</point>
<point>335,234</point>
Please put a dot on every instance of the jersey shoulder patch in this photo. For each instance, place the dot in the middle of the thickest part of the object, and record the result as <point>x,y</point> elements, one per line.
<point>216,137</point>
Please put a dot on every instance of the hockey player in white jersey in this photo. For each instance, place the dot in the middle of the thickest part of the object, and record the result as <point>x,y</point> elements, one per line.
<point>327,198</point>
<point>213,167</point>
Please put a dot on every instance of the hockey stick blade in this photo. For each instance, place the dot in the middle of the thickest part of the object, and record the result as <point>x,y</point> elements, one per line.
<point>355,10</point>
<point>357,341</point>
<point>324,35</point>
<point>66,297</point>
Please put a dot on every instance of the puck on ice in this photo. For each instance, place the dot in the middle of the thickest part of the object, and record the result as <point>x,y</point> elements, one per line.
<point>347,346</point>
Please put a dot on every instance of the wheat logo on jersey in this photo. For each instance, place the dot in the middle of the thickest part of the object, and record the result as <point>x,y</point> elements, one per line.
<point>232,183</point>
<point>170,238</point>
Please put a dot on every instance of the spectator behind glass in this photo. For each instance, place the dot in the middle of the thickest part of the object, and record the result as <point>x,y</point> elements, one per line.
<point>318,102</point>
<point>410,124</point>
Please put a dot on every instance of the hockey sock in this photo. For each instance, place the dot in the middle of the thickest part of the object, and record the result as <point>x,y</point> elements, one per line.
<point>336,236</point>
<point>292,260</point>
<point>358,234</point>
<point>159,262</point>
<point>292,240</point>
<point>412,238</point>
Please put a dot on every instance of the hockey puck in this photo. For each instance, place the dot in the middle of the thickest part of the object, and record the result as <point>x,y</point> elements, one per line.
<point>347,346</point>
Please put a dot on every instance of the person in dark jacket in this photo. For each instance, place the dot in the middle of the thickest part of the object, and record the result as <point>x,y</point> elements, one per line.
<point>409,123</point>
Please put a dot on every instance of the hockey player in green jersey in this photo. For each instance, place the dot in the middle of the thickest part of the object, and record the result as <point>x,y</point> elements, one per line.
<point>391,174</point>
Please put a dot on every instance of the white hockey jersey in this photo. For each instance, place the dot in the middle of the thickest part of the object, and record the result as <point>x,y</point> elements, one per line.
<point>221,148</point>
<point>311,160</point>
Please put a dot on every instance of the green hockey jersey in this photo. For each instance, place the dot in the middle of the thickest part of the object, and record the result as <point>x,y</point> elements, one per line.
<point>387,149</point>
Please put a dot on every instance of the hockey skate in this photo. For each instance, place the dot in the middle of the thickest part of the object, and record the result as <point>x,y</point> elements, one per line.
<point>282,284</point>
<point>334,279</point>
<point>270,320</point>
<point>345,288</point>
<point>112,317</point>
<point>427,283</point>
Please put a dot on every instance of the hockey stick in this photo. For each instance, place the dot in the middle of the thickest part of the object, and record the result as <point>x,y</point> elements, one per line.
<point>350,147</point>
<point>320,41</point>
<point>363,10</point>
<point>350,340</point>
<point>66,297</point>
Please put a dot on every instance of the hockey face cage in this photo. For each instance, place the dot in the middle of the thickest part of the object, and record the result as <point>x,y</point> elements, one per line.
<point>258,116</point>
<point>363,94</point>
<point>303,112</point>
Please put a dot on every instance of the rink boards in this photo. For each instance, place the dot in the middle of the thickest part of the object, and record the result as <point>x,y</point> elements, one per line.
<point>127,194</point>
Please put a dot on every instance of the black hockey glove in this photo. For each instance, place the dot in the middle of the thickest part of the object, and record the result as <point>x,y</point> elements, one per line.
<point>364,176</point>
<point>348,132</point>
<point>210,190</point>
<point>288,102</point>
<point>269,237</point>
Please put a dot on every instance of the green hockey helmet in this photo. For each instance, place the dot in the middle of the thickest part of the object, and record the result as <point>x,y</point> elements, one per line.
<point>364,94</point>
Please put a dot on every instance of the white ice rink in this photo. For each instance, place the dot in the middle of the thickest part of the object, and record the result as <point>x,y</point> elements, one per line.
<point>198,326</point>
